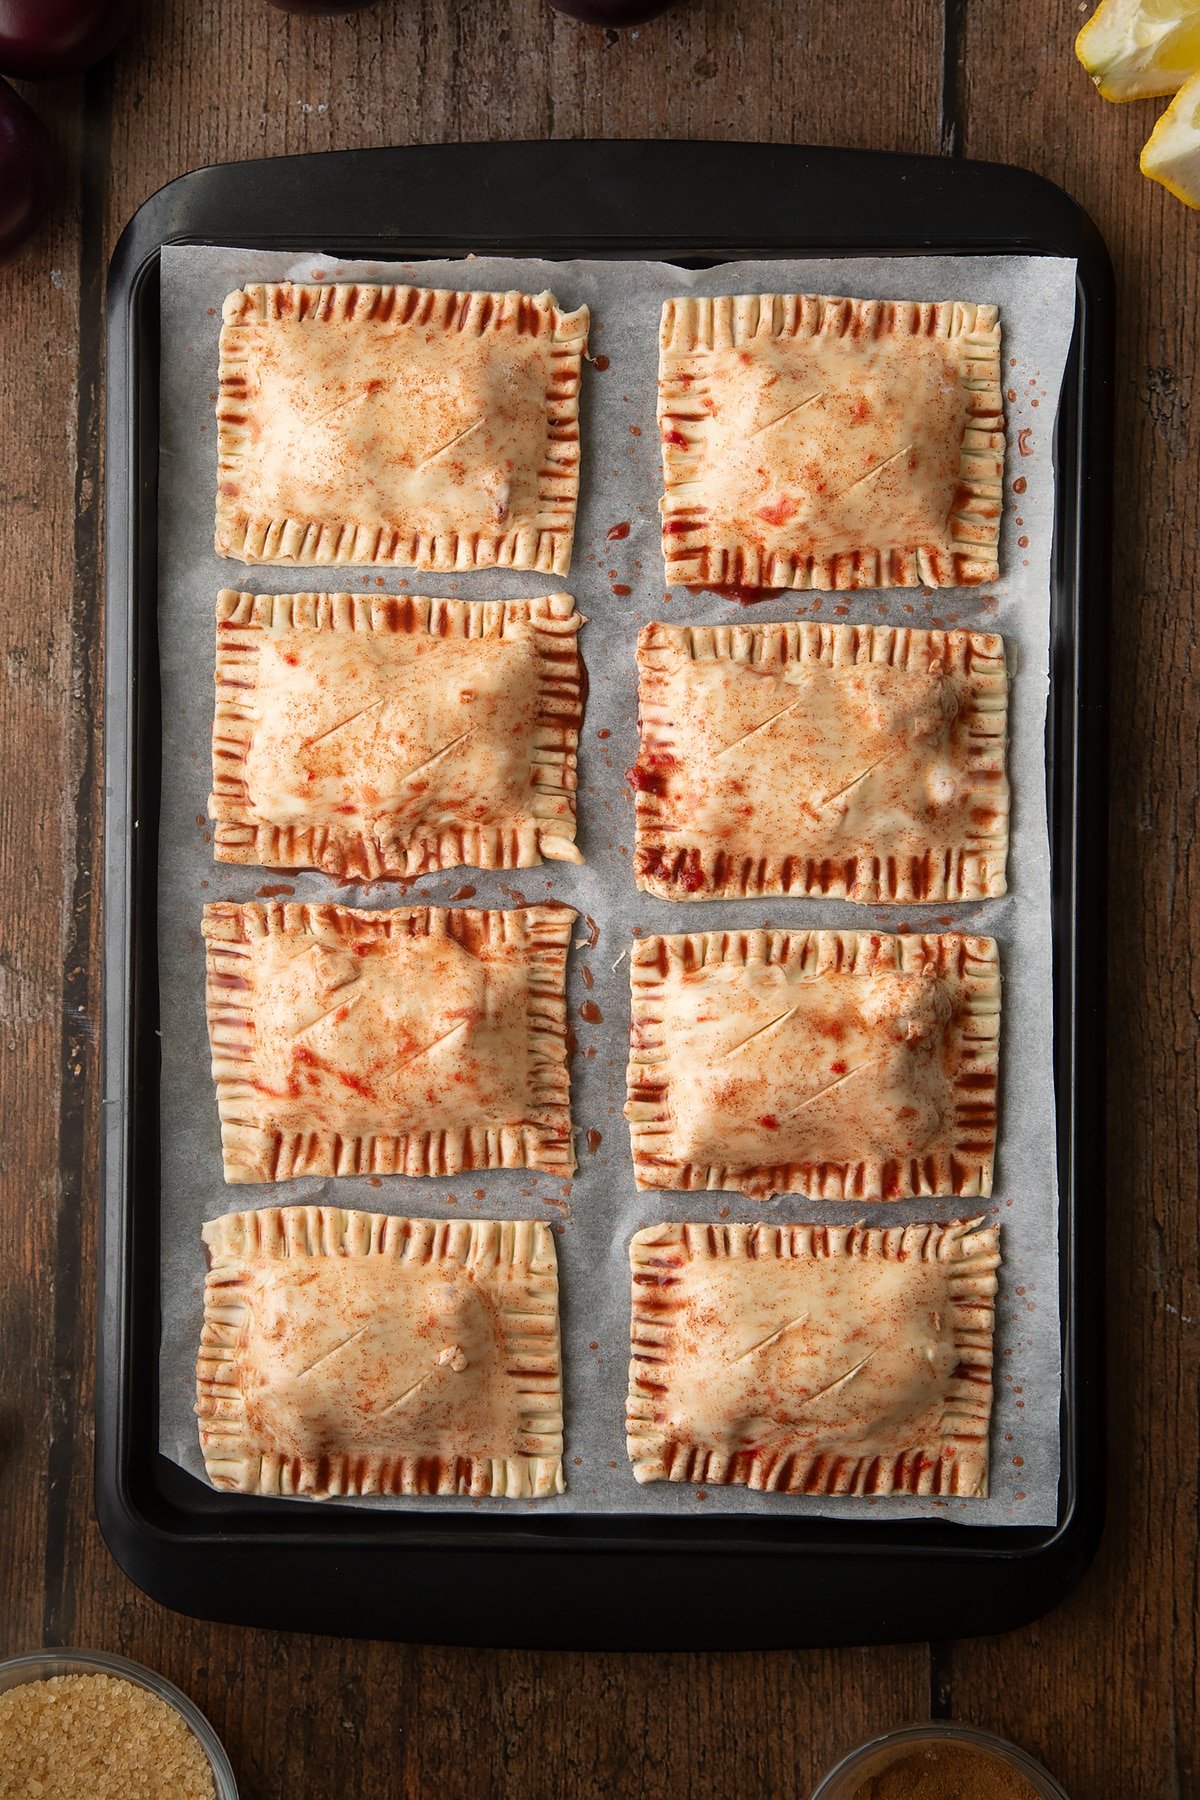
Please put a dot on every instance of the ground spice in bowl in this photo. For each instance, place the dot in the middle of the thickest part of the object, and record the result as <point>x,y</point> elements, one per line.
<point>945,1771</point>
<point>67,1736</point>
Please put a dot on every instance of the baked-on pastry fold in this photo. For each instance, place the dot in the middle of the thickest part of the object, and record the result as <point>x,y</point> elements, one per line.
<point>843,1065</point>
<point>811,441</point>
<point>413,426</point>
<point>422,1040</point>
<point>354,1353</point>
<point>862,761</point>
<point>390,735</point>
<point>814,1359</point>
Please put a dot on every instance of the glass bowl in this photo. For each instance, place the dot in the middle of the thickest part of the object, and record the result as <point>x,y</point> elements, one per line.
<point>41,1664</point>
<point>879,1753</point>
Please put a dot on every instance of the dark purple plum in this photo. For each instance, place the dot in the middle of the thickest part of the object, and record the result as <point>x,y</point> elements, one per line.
<point>26,171</point>
<point>40,39</point>
<point>612,12</point>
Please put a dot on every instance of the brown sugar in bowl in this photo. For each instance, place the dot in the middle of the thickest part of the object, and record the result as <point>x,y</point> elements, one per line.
<point>938,1762</point>
<point>76,1722</point>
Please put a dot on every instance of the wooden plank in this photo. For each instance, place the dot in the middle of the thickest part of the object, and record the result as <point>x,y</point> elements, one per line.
<point>394,1723</point>
<point>1106,1688</point>
<point>38,407</point>
<point>432,71</point>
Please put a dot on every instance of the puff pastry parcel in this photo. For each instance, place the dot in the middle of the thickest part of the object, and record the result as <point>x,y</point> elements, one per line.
<point>388,735</point>
<point>810,441</point>
<point>414,426</point>
<point>814,1359</point>
<point>863,761</point>
<point>353,1353</point>
<point>838,1064</point>
<point>419,1041</point>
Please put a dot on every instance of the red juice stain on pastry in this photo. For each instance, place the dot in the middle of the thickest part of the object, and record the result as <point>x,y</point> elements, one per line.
<point>616,532</point>
<point>514,894</point>
<point>465,892</point>
<point>594,1140</point>
<point>1020,484</point>
<point>271,890</point>
<point>588,977</point>
<point>591,1012</point>
<point>309,1059</point>
<point>600,362</point>
<point>236,983</point>
<point>1025,441</point>
<point>635,431</point>
<point>291,1092</point>
<point>778,512</point>
<point>603,734</point>
<point>1022,543</point>
<point>593,931</point>
<point>649,774</point>
<point>620,589</point>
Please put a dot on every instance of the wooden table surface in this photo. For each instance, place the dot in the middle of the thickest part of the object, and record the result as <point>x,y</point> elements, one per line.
<point>1105,1688</point>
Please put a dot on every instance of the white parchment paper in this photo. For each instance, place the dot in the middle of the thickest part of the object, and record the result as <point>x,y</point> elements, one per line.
<point>595,1214</point>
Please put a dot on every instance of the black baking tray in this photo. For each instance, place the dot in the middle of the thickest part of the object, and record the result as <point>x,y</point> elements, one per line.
<point>633,1581</point>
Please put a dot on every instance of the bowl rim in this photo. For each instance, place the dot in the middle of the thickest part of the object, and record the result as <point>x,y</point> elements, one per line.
<point>42,1665</point>
<point>950,1731</point>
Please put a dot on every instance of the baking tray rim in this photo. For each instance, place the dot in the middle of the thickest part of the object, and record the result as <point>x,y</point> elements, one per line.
<point>163,1523</point>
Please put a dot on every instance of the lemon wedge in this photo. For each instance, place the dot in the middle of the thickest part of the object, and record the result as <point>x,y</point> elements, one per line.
<point>1172,152</point>
<point>1133,49</point>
